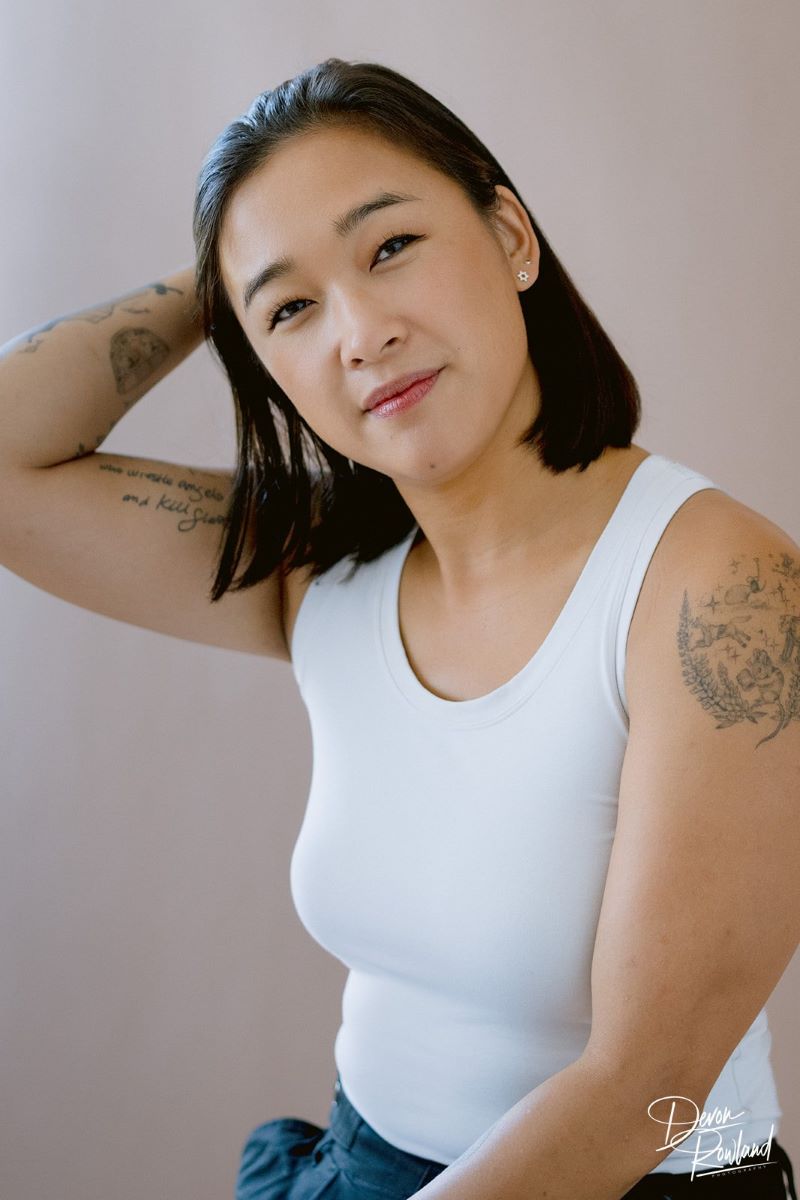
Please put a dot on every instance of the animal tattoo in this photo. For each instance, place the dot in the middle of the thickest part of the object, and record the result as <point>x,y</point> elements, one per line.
<point>740,647</point>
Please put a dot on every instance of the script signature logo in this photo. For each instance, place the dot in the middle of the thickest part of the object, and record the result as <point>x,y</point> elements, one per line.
<point>710,1146</point>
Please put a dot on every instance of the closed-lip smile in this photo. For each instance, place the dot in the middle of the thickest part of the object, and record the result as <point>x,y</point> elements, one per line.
<point>395,386</point>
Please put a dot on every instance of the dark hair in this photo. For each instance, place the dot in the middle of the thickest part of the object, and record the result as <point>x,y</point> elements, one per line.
<point>300,516</point>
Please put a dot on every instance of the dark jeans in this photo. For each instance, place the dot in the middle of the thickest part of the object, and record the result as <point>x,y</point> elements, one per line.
<point>289,1158</point>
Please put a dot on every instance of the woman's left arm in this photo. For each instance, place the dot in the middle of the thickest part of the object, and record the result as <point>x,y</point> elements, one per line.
<point>701,908</point>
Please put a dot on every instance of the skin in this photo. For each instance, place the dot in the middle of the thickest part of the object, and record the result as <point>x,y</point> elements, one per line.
<point>489,510</point>
<point>708,641</point>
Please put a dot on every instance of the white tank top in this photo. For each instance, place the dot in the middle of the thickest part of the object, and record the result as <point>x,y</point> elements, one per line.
<point>453,854</point>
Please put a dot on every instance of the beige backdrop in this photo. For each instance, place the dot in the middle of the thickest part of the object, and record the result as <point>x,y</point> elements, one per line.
<point>159,995</point>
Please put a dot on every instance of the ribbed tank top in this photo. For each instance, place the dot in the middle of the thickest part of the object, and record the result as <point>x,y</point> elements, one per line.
<point>453,854</point>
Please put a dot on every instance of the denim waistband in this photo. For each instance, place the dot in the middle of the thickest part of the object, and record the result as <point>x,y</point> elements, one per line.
<point>369,1156</point>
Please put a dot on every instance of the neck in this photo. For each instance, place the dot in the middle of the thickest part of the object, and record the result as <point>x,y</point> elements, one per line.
<point>479,531</point>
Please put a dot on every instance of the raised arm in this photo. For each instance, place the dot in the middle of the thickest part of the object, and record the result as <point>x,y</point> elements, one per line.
<point>134,539</point>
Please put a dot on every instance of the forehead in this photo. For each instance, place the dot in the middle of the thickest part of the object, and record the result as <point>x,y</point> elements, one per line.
<point>295,196</point>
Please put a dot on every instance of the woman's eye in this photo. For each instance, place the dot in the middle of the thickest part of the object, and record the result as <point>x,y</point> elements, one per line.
<point>405,238</point>
<point>274,317</point>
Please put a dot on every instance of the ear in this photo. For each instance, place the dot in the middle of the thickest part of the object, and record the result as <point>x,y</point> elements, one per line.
<point>515,232</point>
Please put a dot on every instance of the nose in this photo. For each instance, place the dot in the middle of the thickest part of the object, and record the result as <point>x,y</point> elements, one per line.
<point>366,327</point>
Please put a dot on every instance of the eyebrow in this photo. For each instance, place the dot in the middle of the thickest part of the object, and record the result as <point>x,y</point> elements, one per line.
<point>342,226</point>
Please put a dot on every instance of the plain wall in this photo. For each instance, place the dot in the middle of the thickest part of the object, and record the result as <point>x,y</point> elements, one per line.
<point>158,995</point>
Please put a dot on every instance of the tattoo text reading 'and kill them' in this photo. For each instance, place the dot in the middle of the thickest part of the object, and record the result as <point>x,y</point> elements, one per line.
<point>186,505</point>
<point>740,645</point>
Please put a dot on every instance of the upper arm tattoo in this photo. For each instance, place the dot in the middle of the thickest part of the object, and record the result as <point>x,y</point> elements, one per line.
<point>740,643</point>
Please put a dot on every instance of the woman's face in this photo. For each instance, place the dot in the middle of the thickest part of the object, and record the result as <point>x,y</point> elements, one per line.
<point>353,314</point>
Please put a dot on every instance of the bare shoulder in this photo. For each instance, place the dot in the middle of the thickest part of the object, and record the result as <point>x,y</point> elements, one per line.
<point>721,600</point>
<point>712,513</point>
<point>714,532</point>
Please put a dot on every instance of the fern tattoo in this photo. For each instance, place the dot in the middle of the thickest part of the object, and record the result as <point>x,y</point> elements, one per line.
<point>744,661</point>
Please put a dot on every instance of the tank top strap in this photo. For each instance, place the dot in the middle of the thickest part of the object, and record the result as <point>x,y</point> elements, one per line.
<point>663,485</point>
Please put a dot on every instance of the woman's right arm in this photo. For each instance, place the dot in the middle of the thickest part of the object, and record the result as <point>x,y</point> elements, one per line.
<point>134,539</point>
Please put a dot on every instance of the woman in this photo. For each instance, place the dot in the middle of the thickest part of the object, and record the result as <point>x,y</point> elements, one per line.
<point>524,642</point>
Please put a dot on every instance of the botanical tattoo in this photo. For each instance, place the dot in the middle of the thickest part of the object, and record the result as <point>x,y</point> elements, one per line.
<point>740,646</point>
<point>191,503</point>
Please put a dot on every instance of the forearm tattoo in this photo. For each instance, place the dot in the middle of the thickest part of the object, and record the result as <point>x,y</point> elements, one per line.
<point>31,341</point>
<point>135,351</point>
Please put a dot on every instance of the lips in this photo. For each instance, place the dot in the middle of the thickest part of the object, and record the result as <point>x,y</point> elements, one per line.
<point>396,386</point>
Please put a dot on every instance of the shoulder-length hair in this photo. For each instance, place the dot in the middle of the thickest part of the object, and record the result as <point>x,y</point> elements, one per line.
<point>305,503</point>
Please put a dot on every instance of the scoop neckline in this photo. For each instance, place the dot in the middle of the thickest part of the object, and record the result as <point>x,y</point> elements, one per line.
<point>498,703</point>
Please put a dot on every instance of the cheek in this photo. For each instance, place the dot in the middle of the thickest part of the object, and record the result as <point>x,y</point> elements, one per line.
<point>295,378</point>
<point>301,376</point>
<point>492,348</point>
<point>482,300</point>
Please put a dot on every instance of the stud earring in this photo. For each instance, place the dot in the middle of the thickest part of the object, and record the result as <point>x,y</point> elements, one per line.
<point>523,275</point>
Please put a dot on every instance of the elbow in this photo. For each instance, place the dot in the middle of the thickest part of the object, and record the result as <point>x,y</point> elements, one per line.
<point>647,1075</point>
